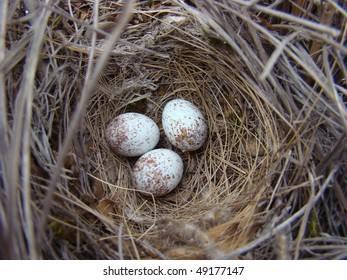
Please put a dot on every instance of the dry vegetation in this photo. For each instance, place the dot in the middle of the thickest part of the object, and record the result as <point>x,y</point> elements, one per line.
<point>270,78</point>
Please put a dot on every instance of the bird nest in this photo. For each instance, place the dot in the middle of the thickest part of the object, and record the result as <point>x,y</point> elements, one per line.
<point>270,79</point>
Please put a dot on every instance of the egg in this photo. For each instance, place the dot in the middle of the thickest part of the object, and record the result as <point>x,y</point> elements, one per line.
<point>184,125</point>
<point>158,172</point>
<point>132,134</point>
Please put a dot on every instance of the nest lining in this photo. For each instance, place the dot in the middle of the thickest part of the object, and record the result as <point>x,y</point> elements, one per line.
<point>229,172</point>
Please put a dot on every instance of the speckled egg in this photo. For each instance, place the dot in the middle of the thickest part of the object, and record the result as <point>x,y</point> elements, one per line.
<point>132,134</point>
<point>158,172</point>
<point>184,125</point>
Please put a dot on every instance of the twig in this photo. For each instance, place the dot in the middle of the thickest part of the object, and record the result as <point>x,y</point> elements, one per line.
<point>120,242</point>
<point>19,152</point>
<point>3,110</point>
<point>275,55</point>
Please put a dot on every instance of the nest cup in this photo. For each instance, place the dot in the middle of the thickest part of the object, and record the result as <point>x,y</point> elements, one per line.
<point>223,179</point>
<point>275,144</point>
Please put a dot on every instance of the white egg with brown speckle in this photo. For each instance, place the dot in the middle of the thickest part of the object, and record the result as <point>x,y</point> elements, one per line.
<point>184,125</point>
<point>132,134</point>
<point>158,172</point>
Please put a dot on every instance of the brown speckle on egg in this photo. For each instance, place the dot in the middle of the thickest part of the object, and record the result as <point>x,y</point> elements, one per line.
<point>158,172</point>
<point>132,134</point>
<point>184,125</point>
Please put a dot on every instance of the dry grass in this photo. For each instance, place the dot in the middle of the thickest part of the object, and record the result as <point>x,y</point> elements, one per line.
<point>270,78</point>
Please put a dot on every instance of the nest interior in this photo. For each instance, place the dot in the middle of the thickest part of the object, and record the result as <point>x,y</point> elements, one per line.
<point>269,182</point>
<point>226,172</point>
